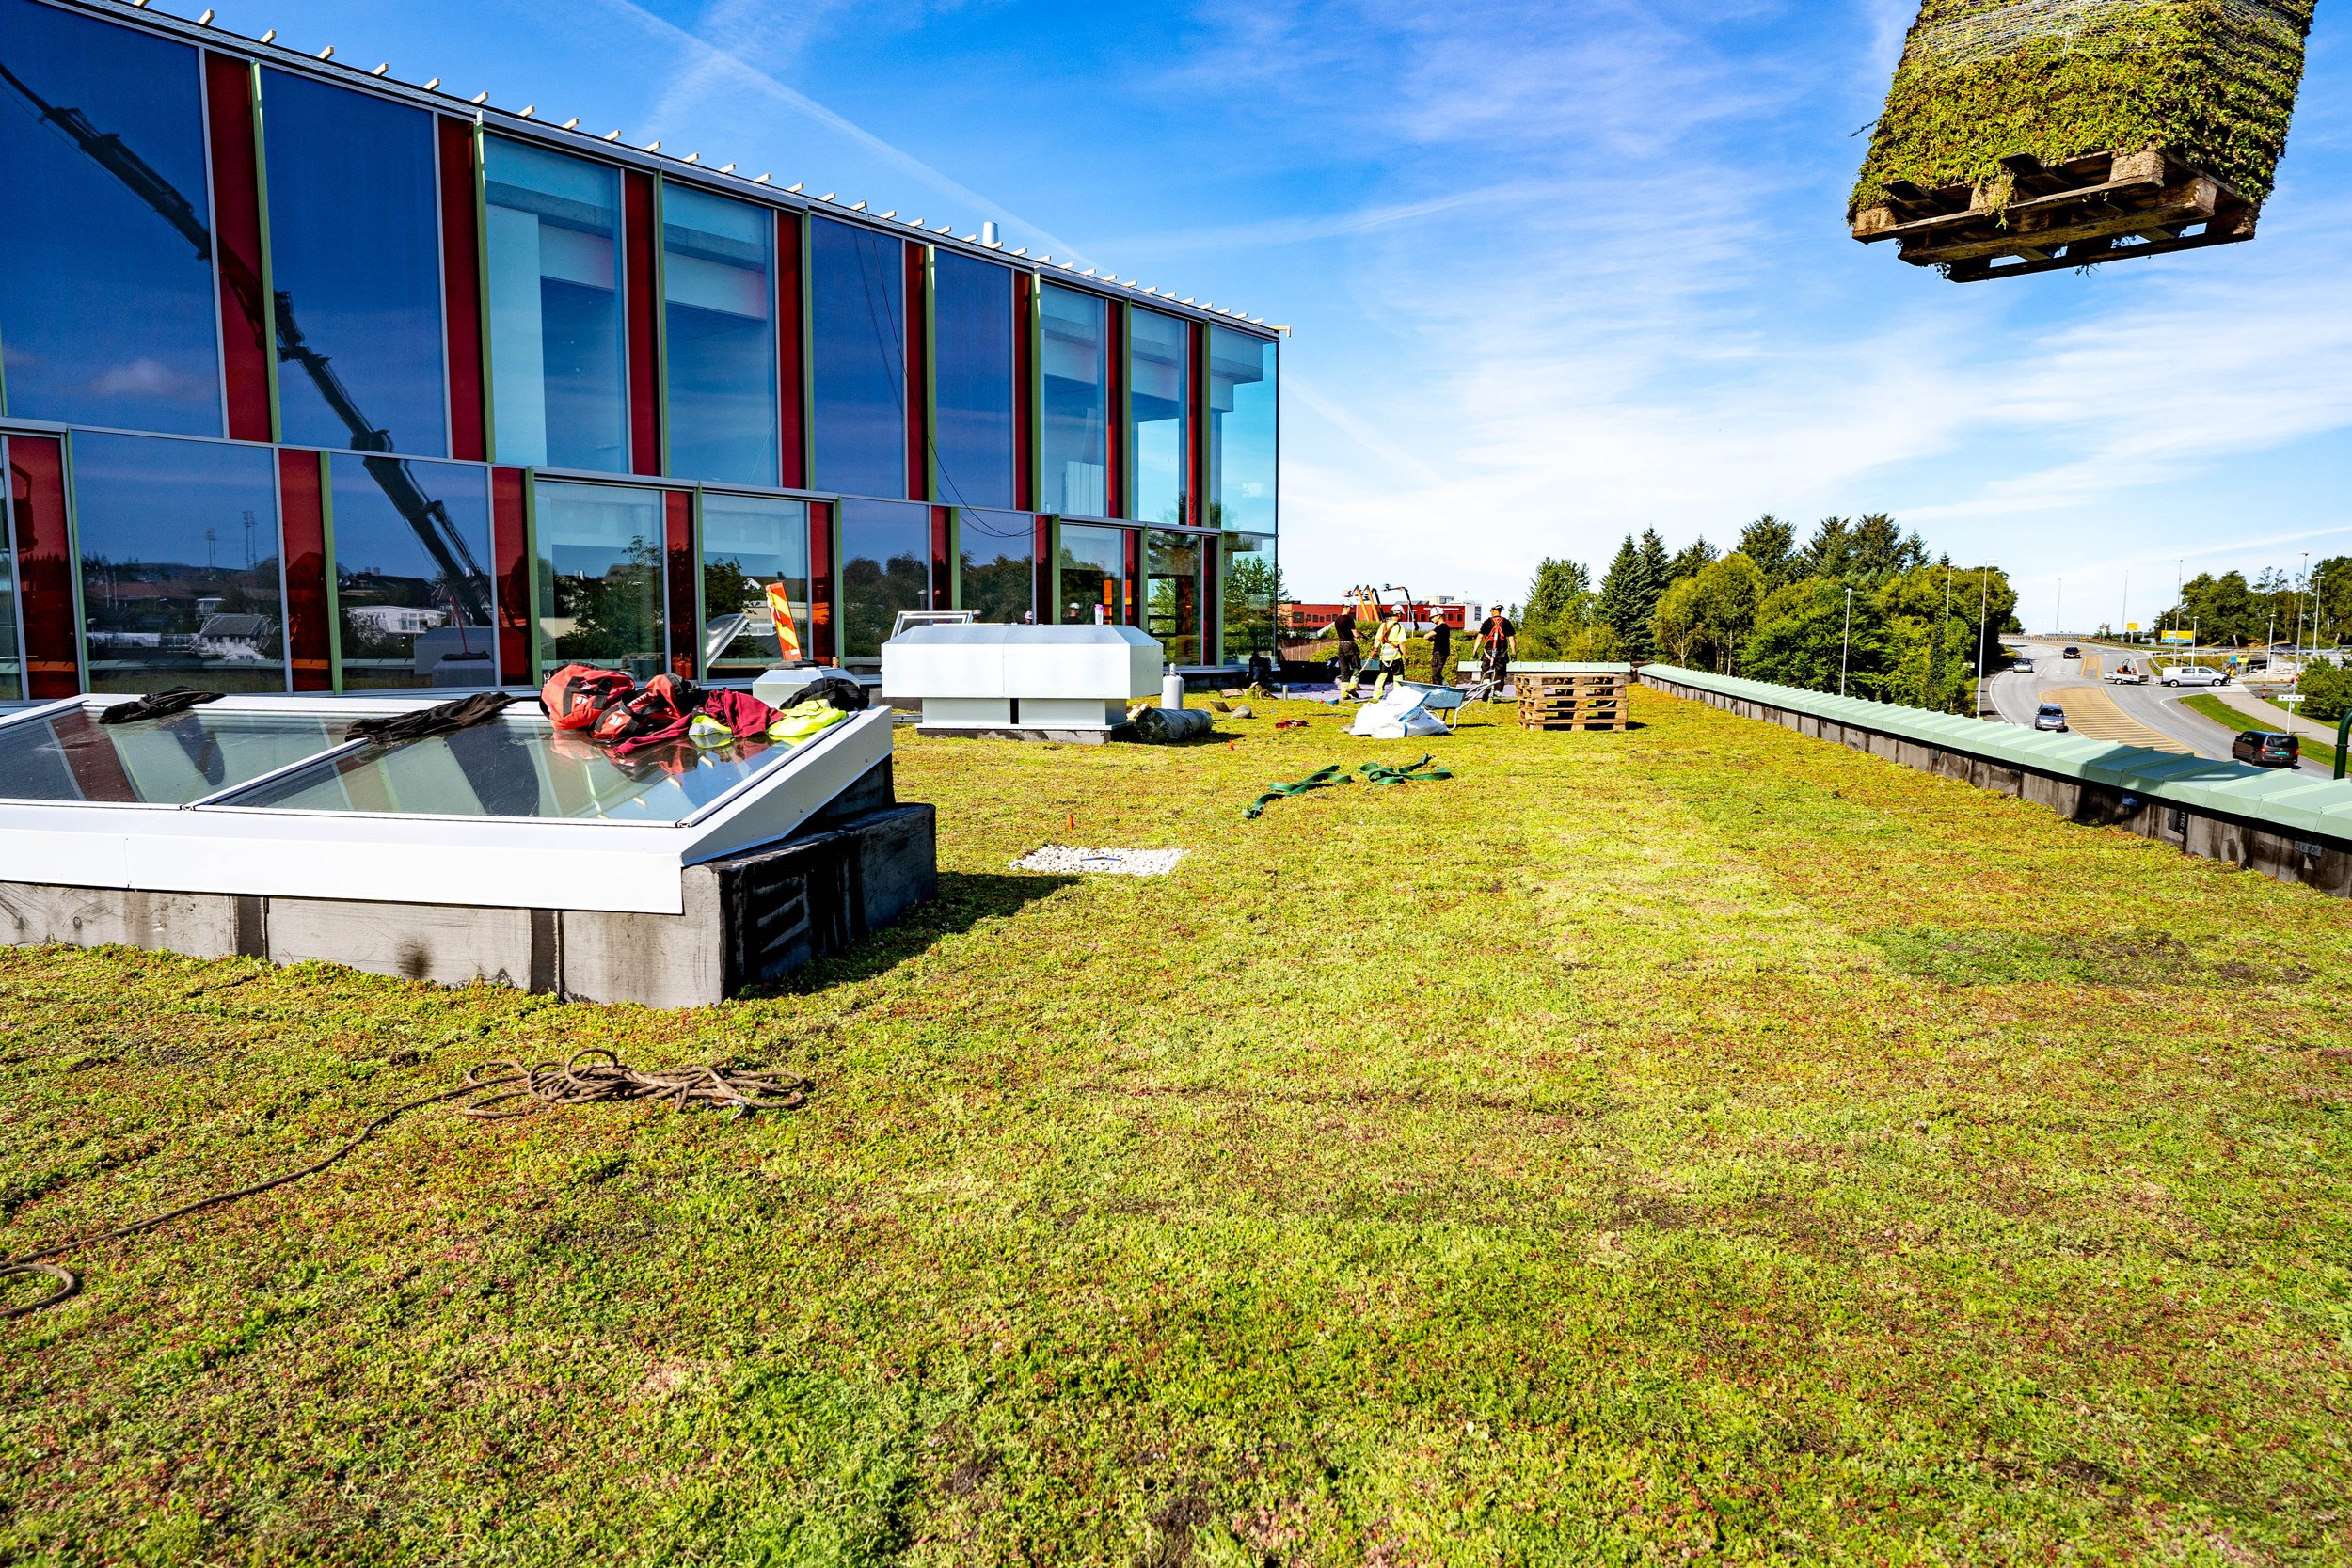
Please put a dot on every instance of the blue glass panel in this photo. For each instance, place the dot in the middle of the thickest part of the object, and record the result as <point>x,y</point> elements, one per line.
<point>1091,576</point>
<point>354,260</point>
<point>412,591</point>
<point>719,291</point>
<point>558,361</point>
<point>1242,430</point>
<point>106,299</point>
<point>886,568</point>
<point>857,306</point>
<point>1074,370</point>
<point>972,381</point>
<point>600,578</point>
<point>1171,593</point>
<point>1158,382</point>
<point>1249,598</point>
<point>749,543</point>
<point>996,564</point>
<point>179,546</point>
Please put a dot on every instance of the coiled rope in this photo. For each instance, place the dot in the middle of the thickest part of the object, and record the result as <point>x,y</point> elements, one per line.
<point>502,1091</point>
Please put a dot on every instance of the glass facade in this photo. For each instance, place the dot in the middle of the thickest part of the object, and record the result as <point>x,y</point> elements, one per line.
<point>355,268</point>
<point>361,286</point>
<point>858,359</point>
<point>601,580</point>
<point>1248,595</point>
<point>719,312</point>
<point>180,580</point>
<point>1242,432</point>
<point>1159,402</point>
<point>1073,400</point>
<point>558,358</point>
<point>996,564</point>
<point>11,640</point>
<point>752,545</point>
<point>1171,593</point>
<point>972,443</point>
<point>886,568</point>
<point>107,293</point>
<point>1090,575</point>
<point>411,543</point>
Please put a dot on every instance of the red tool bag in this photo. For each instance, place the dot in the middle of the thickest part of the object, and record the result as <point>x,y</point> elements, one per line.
<point>659,710</point>
<point>578,695</point>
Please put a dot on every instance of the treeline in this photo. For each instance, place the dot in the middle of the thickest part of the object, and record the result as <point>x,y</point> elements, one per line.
<point>2231,612</point>
<point>1859,595</point>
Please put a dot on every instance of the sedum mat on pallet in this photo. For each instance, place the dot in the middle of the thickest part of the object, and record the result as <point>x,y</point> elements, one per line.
<point>2034,118</point>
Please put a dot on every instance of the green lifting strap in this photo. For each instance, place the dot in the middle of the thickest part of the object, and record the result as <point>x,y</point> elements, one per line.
<point>2344,738</point>
<point>1322,778</point>
<point>1382,773</point>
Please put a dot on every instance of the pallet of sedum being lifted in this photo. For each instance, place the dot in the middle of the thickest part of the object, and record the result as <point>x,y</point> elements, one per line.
<point>1573,696</point>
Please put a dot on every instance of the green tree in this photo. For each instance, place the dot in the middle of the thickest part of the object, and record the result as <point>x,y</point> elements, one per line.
<point>1881,548</point>
<point>2327,688</point>
<point>1828,554</point>
<point>1771,545</point>
<point>1804,637</point>
<point>1624,605</point>
<point>1689,561</point>
<point>1701,619</point>
<point>2332,600</point>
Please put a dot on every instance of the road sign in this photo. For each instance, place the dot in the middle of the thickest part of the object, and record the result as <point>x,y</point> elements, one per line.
<point>2175,636</point>
<point>2131,625</point>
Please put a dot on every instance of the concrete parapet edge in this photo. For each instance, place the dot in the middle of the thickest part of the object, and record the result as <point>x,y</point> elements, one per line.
<point>2290,827</point>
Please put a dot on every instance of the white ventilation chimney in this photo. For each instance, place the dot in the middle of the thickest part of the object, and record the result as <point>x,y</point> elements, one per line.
<point>988,234</point>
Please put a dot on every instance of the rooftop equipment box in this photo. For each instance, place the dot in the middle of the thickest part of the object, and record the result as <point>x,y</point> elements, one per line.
<point>1058,683</point>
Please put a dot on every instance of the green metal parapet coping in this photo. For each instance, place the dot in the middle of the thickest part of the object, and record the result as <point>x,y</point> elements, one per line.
<point>2296,804</point>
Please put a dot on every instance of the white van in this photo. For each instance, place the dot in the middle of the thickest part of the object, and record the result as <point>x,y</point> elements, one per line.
<point>2193,675</point>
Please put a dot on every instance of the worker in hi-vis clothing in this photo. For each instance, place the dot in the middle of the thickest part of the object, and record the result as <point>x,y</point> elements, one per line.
<point>1388,653</point>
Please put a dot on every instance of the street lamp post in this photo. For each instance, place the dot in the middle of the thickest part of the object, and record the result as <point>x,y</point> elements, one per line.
<point>1984,603</point>
<point>1846,649</point>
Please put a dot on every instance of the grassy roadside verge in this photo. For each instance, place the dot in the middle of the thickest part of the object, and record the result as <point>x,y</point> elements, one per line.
<point>2238,721</point>
<point>1694,1141</point>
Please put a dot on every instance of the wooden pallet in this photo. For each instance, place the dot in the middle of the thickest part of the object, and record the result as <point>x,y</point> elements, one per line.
<point>1594,722</point>
<point>2106,207</point>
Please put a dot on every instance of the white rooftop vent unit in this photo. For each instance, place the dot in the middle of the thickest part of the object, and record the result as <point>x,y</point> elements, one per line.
<point>1030,683</point>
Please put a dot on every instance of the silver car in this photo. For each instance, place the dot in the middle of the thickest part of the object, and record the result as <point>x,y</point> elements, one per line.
<point>2049,715</point>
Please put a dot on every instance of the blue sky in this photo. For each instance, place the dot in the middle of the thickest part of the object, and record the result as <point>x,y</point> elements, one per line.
<point>1556,271</point>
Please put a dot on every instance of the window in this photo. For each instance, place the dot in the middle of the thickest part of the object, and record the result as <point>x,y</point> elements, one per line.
<point>412,594</point>
<point>179,581</point>
<point>719,294</point>
<point>355,266</point>
<point>11,645</point>
<point>106,297</point>
<point>886,568</point>
<point>972,381</point>
<point>996,564</point>
<point>1241,431</point>
<point>1074,363</point>
<point>1250,595</point>
<point>558,361</point>
<point>1090,575</point>
<point>858,372</point>
<point>602,578</point>
<point>749,545</point>
<point>1171,596</point>
<point>1158,396</point>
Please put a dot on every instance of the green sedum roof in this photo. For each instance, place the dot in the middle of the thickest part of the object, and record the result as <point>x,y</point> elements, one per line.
<point>2213,82</point>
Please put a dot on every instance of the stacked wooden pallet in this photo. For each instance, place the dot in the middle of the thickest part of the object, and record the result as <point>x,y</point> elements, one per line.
<point>1573,696</point>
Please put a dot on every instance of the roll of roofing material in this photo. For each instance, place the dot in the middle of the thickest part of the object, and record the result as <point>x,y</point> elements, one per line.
<point>1162,726</point>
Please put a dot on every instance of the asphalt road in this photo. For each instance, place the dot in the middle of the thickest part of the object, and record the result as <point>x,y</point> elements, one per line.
<point>2152,708</point>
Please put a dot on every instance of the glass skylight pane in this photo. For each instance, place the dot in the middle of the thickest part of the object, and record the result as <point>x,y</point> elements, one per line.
<point>165,762</point>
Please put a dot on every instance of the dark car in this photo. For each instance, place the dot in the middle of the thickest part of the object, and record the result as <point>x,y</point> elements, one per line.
<point>2071,653</point>
<point>2267,749</point>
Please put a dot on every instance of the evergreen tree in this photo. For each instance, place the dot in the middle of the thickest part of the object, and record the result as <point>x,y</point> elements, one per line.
<point>1881,550</point>
<point>1771,545</point>
<point>1829,553</point>
<point>1625,601</point>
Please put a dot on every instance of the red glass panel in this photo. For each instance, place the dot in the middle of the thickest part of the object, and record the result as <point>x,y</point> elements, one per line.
<point>301,505</point>
<point>1196,456</point>
<point>1025,392</point>
<point>644,316</point>
<point>1115,421</point>
<point>1134,577</point>
<point>820,633</point>
<point>1045,593</point>
<point>44,566</point>
<point>942,566</point>
<point>918,374</point>
<point>245,330</point>
<point>686,622</point>
<point>461,284</point>
<point>510,536</point>
<point>791,376</point>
